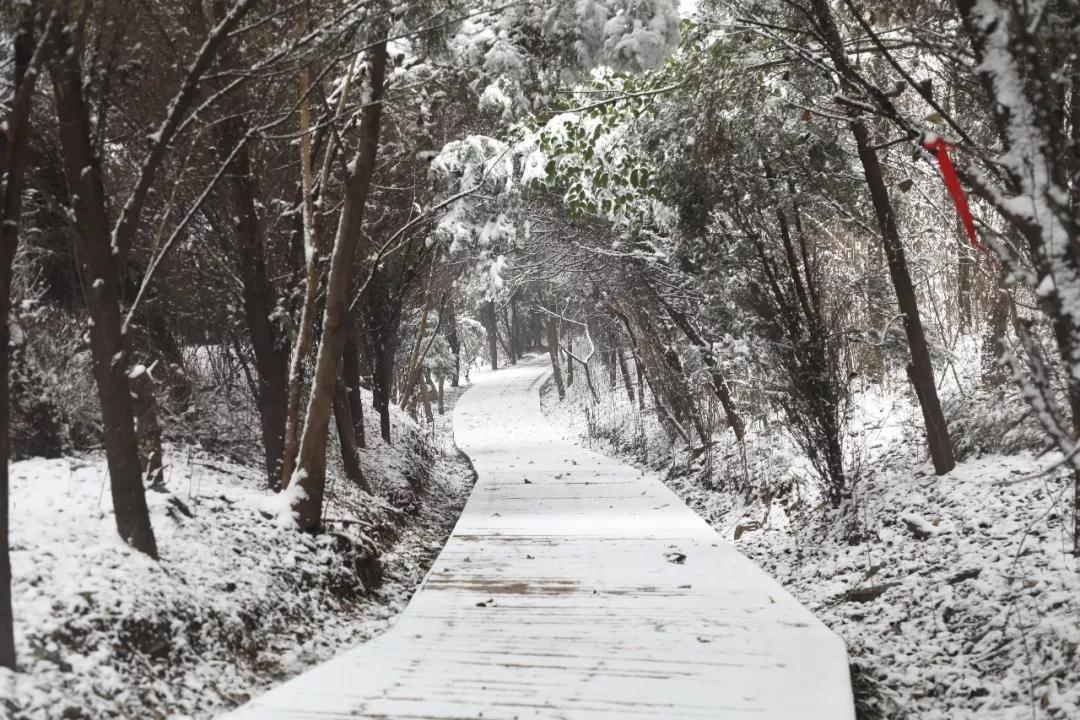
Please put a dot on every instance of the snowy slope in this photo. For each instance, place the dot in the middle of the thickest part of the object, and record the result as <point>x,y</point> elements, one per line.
<point>956,595</point>
<point>235,604</point>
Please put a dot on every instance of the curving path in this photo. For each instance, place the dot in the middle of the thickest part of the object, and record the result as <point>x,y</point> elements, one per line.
<point>573,587</point>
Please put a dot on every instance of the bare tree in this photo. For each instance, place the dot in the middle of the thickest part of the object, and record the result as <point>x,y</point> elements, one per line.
<point>102,246</point>
<point>920,371</point>
<point>310,476</point>
<point>31,46</point>
<point>551,323</point>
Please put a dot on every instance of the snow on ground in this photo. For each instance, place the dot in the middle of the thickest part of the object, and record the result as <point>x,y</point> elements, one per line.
<point>955,595</point>
<point>236,604</point>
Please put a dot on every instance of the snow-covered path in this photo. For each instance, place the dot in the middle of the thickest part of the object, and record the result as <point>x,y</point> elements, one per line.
<point>574,587</point>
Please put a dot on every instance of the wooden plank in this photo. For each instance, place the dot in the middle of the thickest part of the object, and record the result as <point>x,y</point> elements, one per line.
<point>589,591</point>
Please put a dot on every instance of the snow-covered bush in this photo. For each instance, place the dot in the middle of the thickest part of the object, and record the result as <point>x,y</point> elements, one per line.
<point>53,404</point>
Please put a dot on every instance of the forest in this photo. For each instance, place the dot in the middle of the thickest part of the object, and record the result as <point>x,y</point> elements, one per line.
<point>817,262</point>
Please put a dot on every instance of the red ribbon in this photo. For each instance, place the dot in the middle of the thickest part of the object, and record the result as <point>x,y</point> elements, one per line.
<point>940,148</point>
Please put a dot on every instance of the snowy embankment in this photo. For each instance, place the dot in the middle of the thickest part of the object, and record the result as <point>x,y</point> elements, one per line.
<point>236,604</point>
<point>955,595</point>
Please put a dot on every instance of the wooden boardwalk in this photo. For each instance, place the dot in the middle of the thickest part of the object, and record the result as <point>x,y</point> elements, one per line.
<point>573,587</point>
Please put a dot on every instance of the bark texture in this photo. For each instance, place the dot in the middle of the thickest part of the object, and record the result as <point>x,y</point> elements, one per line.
<point>98,265</point>
<point>28,55</point>
<point>311,475</point>
<point>921,370</point>
<point>551,325</point>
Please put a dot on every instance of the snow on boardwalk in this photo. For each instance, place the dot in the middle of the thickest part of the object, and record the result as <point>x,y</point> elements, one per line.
<point>573,587</point>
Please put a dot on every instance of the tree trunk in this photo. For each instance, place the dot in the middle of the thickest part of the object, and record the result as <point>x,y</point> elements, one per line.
<point>414,370</point>
<point>537,329</point>
<point>452,340</point>
<point>649,373</point>
<point>584,362</point>
<point>625,372</point>
<point>716,375</point>
<point>382,380</point>
<point>380,309</point>
<point>994,373</point>
<point>14,157</point>
<point>607,355</point>
<point>259,302</point>
<point>663,371</point>
<point>487,312</point>
<point>552,326</point>
<point>427,388</point>
<point>640,383</point>
<point>311,286</point>
<point>350,374</point>
<point>257,292</point>
<point>311,474</point>
<point>682,399</point>
<point>350,451</point>
<point>511,351</point>
<point>965,276</point>
<point>515,329</point>
<point>568,351</point>
<point>93,248</point>
<point>9,233</point>
<point>921,371</point>
<point>147,429</point>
